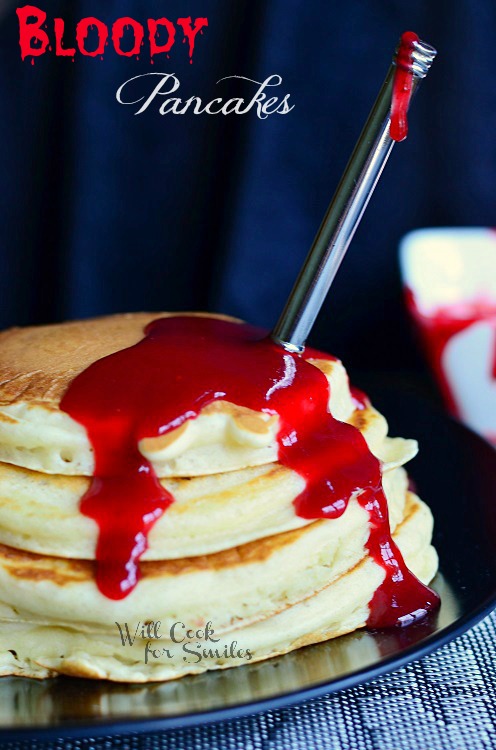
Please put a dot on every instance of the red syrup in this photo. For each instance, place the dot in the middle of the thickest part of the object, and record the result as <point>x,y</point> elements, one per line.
<point>440,325</point>
<point>402,87</point>
<point>185,363</point>
<point>359,398</point>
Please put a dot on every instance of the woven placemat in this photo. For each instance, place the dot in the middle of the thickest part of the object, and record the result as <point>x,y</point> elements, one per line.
<point>446,701</point>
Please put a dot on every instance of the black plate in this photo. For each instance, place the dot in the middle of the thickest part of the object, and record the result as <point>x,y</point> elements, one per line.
<point>455,473</point>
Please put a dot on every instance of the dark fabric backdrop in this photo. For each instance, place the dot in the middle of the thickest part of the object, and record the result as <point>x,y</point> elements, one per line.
<point>104,211</point>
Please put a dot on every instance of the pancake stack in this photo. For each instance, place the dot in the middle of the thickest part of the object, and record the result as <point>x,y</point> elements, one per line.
<point>230,563</point>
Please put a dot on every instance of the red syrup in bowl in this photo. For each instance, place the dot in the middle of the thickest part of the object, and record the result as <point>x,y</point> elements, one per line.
<point>438,326</point>
<point>402,87</point>
<point>184,363</point>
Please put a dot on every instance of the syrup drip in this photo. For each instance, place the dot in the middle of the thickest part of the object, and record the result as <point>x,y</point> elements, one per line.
<point>185,363</point>
<point>402,87</point>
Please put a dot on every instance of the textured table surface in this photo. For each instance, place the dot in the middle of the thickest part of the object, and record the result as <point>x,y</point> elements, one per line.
<point>446,701</point>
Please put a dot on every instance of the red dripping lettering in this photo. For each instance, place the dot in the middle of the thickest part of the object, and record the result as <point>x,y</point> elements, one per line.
<point>30,31</point>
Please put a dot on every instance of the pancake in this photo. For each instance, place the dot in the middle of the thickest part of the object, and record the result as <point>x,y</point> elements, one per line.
<point>40,513</point>
<point>202,528</point>
<point>38,364</point>
<point>34,649</point>
<point>248,582</point>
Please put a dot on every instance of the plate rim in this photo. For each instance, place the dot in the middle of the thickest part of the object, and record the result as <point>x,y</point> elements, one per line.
<point>96,728</point>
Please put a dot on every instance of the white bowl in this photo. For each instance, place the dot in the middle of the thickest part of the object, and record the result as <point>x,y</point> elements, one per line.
<point>450,275</point>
